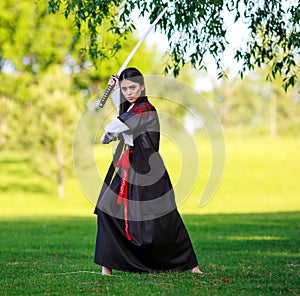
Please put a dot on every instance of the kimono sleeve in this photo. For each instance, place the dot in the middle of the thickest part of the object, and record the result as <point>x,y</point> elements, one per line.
<point>113,129</point>
<point>115,97</point>
<point>138,117</point>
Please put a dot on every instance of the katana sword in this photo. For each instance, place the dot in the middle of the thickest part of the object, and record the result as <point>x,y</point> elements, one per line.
<point>110,87</point>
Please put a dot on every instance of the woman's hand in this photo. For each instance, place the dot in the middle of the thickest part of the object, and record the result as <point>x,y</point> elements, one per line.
<point>109,137</point>
<point>113,81</point>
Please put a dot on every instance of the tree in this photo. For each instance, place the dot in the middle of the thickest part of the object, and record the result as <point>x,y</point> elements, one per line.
<point>35,117</point>
<point>8,125</point>
<point>256,104</point>
<point>49,127</point>
<point>44,74</point>
<point>30,39</point>
<point>196,28</point>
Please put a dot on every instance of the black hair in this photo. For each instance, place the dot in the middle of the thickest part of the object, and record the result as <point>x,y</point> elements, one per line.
<point>133,75</point>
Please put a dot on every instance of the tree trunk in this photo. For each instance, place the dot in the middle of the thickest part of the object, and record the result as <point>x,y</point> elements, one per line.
<point>273,115</point>
<point>3,131</point>
<point>59,157</point>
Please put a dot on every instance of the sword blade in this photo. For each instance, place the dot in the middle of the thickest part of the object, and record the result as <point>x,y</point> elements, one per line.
<point>141,40</point>
<point>110,88</point>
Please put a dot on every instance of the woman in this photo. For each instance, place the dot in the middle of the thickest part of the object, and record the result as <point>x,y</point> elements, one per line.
<point>139,227</point>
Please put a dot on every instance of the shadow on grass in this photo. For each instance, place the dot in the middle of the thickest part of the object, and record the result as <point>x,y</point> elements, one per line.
<point>241,254</point>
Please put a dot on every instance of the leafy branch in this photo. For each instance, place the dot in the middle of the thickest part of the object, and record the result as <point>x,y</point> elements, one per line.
<point>195,29</point>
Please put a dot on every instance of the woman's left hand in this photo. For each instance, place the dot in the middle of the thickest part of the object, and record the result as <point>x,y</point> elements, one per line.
<point>113,81</point>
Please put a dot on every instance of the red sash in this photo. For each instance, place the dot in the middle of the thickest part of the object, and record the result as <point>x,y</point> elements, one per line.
<point>124,163</point>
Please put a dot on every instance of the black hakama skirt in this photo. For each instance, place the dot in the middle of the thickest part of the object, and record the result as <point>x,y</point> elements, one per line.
<point>158,240</point>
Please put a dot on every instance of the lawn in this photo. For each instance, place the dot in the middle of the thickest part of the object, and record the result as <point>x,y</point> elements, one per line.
<point>246,238</point>
<point>241,254</point>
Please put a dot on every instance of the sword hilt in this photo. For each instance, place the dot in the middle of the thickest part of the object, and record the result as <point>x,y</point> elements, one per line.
<point>106,95</point>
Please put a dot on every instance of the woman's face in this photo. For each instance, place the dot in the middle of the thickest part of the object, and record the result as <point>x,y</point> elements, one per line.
<point>131,90</point>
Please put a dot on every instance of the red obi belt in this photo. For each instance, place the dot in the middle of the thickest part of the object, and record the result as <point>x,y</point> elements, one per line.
<point>124,163</point>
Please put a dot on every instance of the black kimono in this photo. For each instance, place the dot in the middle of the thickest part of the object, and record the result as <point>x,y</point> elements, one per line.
<point>139,227</point>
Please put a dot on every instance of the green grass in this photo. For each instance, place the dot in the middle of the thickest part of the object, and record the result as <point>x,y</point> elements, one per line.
<point>261,175</point>
<point>241,254</point>
<point>246,238</point>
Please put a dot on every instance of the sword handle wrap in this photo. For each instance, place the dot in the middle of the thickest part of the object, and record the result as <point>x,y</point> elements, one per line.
<point>106,95</point>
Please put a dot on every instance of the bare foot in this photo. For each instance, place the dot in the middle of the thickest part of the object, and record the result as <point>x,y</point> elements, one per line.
<point>106,271</point>
<point>197,270</point>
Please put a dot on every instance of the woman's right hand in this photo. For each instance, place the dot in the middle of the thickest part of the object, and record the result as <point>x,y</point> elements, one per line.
<point>108,137</point>
<point>113,81</point>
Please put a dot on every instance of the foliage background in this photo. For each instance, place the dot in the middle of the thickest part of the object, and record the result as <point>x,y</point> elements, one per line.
<point>47,80</point>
